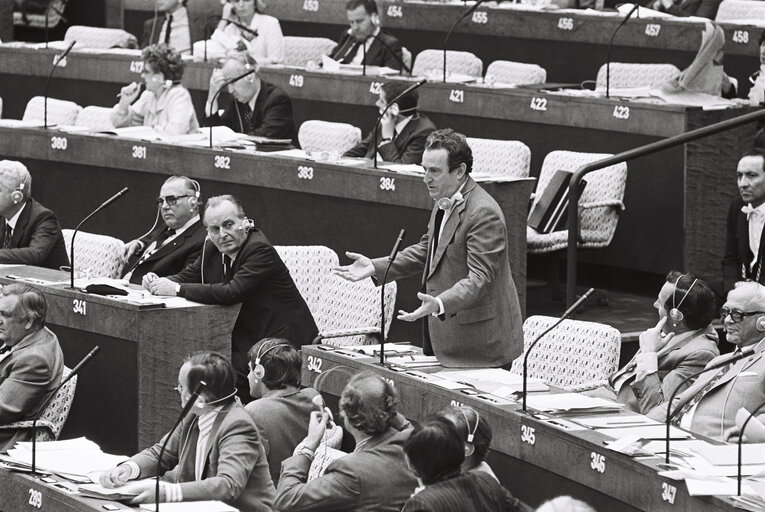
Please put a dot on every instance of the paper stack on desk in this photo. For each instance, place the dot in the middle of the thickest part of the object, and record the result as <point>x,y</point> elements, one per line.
<point>570,402</point>
<point>496,381</point>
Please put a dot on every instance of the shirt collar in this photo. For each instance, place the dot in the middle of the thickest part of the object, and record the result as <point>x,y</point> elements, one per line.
<point>188,224</point>
<point>13,220</point>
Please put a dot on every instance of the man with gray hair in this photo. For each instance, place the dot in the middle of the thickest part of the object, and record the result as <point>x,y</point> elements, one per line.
<point>718,402</point>
<point>31,234</point>
<point>177,242</point>
<point>31,362</point>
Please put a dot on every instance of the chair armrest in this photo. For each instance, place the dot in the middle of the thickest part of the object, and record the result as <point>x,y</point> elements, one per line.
<point>586,386</point>
<point>614,203</point>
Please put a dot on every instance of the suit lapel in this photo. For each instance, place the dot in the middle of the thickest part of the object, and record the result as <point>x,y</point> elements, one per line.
<point>260,105</point>
<point>743,240</point>
<point>450,227</point>
<point>211,438</point>
<point>429,257</point>
<point>736,369</point>
<point>21,224</point>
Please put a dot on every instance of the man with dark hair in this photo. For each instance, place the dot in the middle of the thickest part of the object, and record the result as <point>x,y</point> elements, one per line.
<point>215,453</point>
<point>167,249</point>
<point>744,249</point>
<point>281,409</point>
<point>31,362</point>
<point>402,132</point>
<point>476,433</point>
<point>241,265</point>
<point>31,234</point>
<point>256,107</point>
<point>174,30</point>
<point>469,297</point>
<point>374,477</point>
<point>379,48</point>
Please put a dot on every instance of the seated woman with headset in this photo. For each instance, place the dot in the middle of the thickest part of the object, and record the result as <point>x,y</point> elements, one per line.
<point>165,105</point>
<point>681,343</point>
<point>244,27</point>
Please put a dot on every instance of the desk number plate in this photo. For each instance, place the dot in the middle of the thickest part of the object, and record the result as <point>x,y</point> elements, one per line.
<point>79,307</point>
<point>528,435</point>
<point>35,498</point>
<point>598,462</point>
<point>668,493</point>
<point>314,364</point>
<point>59,143</point>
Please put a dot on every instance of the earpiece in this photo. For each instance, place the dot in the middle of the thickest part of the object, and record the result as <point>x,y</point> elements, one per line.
<point>247,224</point>
<point>375,19</point>
<point>168,84</point>
<point>761,324</point>
<point>18,195</point>
<point>258,368</point>
<point>675,314</point>
<point>447,203</point>
<point>471,433</point>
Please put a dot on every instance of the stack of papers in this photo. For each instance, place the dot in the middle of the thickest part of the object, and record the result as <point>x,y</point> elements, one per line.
<point>390,348</point>
<point>571,402</point>
<point>496,381</point>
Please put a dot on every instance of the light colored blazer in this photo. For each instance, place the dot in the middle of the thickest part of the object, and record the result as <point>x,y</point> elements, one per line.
<point>676,362</point>
<point>236,470</point>
<point>470,273</point>
<point>172,113</point>
<point>743,385</point>
<point>28,375</point>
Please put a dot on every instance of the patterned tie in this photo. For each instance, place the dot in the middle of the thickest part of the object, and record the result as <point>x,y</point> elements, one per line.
<point>249,129</point>
<point>698,396</point>
<point>226,265</point>
<point>169,25</point>
<point>163,237</point>
<point>351,53</point>
<point>4,349</point>
<point>8,238</point>
<point>436,233</point>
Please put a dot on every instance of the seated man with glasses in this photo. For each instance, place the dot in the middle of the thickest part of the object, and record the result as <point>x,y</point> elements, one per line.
<point>711,405</point>
<point>168,247</point>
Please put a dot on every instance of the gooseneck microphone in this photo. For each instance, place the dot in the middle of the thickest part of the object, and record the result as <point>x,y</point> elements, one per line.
<point>392,257</point>
<point>611,45</point>
<point>85,360</point>
<point>186,408</point>
<point>570,311</point>
<point>745,352</point>
<point>223,86</point>
<point>391,102</point>
<point>74,234</point>
<point>740,441</point>
<point>449,33</point>
<point>56,61</point>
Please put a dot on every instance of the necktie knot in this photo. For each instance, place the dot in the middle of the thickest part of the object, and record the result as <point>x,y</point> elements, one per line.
<point>4,349</point>
<point>751,212</point>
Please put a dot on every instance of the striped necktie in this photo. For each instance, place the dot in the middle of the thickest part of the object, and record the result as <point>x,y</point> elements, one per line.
<point>8,238</point>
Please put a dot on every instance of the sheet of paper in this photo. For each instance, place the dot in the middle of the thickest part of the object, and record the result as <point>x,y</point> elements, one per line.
<point>329,64</point>
<point>657,431</point>
<point>413,360</point>
<point>727,454</point>
<point>569,402</point>
<point>723,487</point>
<point>191,506</point>
<point>390,348</point>
<point>620,421</point>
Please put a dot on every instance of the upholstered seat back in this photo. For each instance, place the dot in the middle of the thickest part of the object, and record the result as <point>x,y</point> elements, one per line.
<point>59,111</point>
<point>315,135</point>
<point>95,255</point>
<point>431,63</point>
<point>628,74</point>
<point>746,12</point>
<point>99,37</point>
<point>519,73</point>
<point>500,157</point>
<point>96,118</point>
<point>298,51</point>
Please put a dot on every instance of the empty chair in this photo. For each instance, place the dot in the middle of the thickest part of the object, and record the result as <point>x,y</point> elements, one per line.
<point>628,74</point>
<point>572,354</point>
<point>500,157</point>
<point>59,111</point>
<point>55,12</point>
<point>99,37</point>
<point>95,255</point>
<point>745,12</point>
<point>298,51</point>
<point>96,118</point>
<point>53,416</point>
<point>599,205</point>
<point>509,72</point>
<point>315,135</point>
<point>431,63</point>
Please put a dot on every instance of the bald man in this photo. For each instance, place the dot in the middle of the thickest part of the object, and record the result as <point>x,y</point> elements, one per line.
<point>31,234</point>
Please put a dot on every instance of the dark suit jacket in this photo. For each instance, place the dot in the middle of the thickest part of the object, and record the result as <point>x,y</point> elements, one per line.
<point>172,257</point>
<point>37,239</point>
<point>374,478</point>
<point>196,30</point>
<point>737,252</point>
<point>28,375</point>
<point>235,469</point>
<point>272,115</point>
<point>406,148</point>
<point>473,491</point>
<point>377,55</point>
<point>271,304</point>
<point>702,8</point>
<point>470,273</point>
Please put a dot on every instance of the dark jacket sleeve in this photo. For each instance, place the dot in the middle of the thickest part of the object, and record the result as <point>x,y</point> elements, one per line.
<point>227,118</point>
<point>45,231</point>
<point>701,8</point>
<point>731,263</point>
<point>360,149</point>
<point>389,60</point>
<point>410,154</point>
<point>277,117</point>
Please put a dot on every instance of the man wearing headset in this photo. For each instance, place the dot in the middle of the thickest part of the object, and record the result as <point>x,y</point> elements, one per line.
<point>169,247</point>
<point>473,318</point>
<point>31,234</point>
<point>402,132</point>
<point>256,107</point>
<point>380,49</point>
<point>241,265</point>
<point>214,454</point>
<point>374,477</point>
<point>720,400</point>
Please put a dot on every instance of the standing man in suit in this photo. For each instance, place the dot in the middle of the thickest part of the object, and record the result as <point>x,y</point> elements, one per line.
<point>241,265</point>
<point>379,48</point>
<point>374,477</point>
<point>256,106</point>
<point>709,407</point>
<point>31,362</point>
<point>170,247</point>
<point>744,249</point>
<point>174,30</point>
<point>403,130</point>
<point>32,234</point>
<point>473,318</point>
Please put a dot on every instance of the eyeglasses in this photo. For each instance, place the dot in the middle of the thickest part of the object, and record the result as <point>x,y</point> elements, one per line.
<point>735,315</point>
<point>170,200</point>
